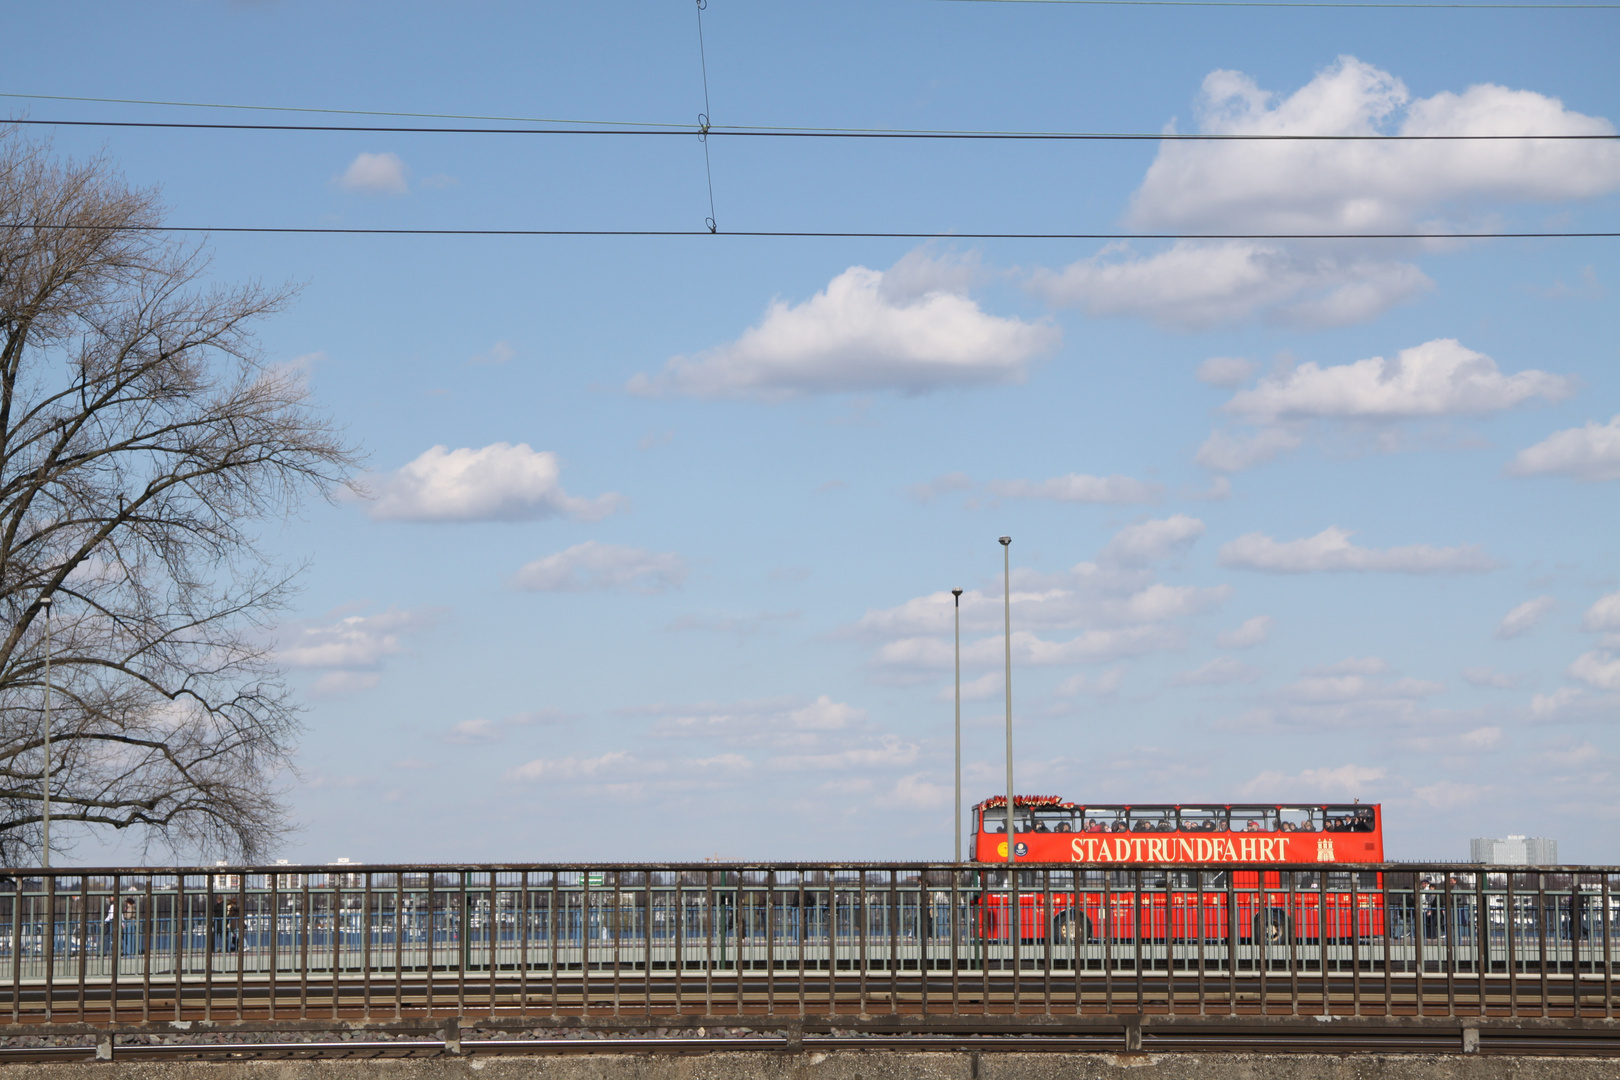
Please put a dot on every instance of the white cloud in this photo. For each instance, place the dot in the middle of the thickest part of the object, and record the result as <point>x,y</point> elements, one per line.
<point>1344,689</point>
<point>352,649</point>
<point>619,765</point>
<point>1366,186</point>
<point>866,331</point>
<point>538,717</point>
<point>375,174</point>
<point>744,626</point>
<point>500,482</point>
<point>1487,676</point>
<point>591,566</point>
<point>1226,371</point>
<point>1437,378</point>
<point>1485,738</point>
<point>1218,672</point>
<point>1525,618</point>
<point>1354,665</point>
<point>888,751</point>
<point>1331,550</point>
<point>1198,284</point>
<point>1152,541</point>
<point>356,641</point>
<point>1111,608</point>
<point>1104,684</point>
<point>499,353</point>
<point>1114,603</point>
<point>1548,706</point>
<point>983,688</point>
<point>1091,647</point>
<point>1600,669</point>
<point>1344,781</point>
<point>1079,488</point>
<point>915,793</point>
<point>1585,453</point>
<point>1233,452</point>
<point>1448,795</point>
<point>932,489</point>
<point>764,722</point>
<point>1604,614</point>
<point>336,683</point>
<point>1247,634</point>
<point>473,731</point>
<point>1354,186</point>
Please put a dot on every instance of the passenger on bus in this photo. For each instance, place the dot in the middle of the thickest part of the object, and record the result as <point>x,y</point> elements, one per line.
<point>1253,826</point>
<point>1040,826</point>
<point>1095,826</point>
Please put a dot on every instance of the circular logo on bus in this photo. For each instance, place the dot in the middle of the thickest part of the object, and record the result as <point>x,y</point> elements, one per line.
<point>1021,850</point>
<point>1001,849</point>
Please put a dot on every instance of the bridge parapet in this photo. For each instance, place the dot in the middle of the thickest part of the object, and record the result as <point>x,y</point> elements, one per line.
<point>941,949</point>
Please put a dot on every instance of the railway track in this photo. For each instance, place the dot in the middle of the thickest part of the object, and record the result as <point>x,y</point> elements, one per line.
<point>792,997</point>
<point>1267,1039</point>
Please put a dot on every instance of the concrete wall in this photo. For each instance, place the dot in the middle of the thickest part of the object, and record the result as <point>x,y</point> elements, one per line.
<point>858,1065</point>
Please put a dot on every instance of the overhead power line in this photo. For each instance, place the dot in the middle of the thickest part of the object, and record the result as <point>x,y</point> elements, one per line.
<point>637,127</point>
<point>1298,4</point>
<point>334,112</point>
<point>813,234</point>
<point>827,133</point>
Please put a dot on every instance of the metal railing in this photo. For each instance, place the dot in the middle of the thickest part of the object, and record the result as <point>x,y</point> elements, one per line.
<point>132,946</point>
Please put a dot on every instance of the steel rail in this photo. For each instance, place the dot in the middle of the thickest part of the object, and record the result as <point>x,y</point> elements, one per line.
<point>1282,1040</point>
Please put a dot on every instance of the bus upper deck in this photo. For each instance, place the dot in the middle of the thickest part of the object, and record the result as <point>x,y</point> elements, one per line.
<point>1048,829</point>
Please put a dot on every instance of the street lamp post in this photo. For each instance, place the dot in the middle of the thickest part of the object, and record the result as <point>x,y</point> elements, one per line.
<point>46,815</point>
<point>1006,608</point>
<point>958,594</point>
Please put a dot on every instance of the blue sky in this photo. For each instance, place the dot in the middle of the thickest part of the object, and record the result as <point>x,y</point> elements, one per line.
<point>661,531</point>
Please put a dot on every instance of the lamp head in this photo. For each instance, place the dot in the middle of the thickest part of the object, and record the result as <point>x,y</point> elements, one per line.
<point>45,601</point>
<point>958,594</point>
<point>1005,540</point>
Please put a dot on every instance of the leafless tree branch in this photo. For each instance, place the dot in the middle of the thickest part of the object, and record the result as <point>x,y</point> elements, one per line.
<point>144,442</point>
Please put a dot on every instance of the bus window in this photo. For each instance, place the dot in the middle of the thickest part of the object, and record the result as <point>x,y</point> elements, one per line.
<point>1344,880</point>
<point>1203,819</point>
<point>1299,819</point>
<point>1105,819</point>
<point>1153,819</point>
<point>1253,818</point>
<point>1054,819</point>
<point>1348,818</point>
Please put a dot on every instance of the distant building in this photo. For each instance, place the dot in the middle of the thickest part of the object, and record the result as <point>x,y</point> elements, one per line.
<point>1515,851</point>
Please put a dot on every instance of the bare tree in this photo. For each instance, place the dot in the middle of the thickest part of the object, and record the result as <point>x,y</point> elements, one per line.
<point>144,445</point>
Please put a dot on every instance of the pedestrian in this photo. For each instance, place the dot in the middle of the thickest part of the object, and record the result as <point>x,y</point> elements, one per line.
<point>130,928</point>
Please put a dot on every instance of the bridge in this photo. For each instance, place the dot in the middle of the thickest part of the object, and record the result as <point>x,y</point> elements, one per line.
<point>800,958</point>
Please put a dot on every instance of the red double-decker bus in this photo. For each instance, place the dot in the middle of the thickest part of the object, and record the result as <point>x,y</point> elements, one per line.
<point>1184,872</point>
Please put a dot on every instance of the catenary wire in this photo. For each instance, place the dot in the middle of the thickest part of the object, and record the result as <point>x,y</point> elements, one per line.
<point>634,127</point>
<point>703,117</point>
<point>1298,4</point>
<point>815,234</point>
<point>828,133</point>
